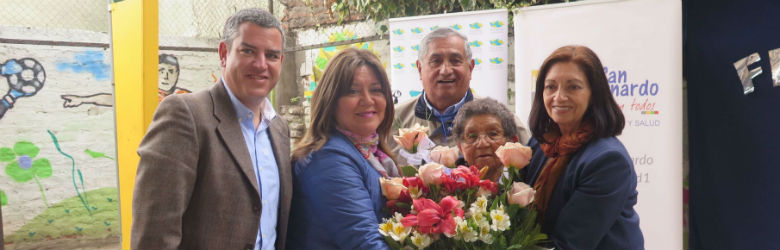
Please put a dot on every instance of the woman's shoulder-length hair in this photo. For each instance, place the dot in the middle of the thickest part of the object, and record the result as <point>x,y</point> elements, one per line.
<point>335,82</point>
<point>603,113</point>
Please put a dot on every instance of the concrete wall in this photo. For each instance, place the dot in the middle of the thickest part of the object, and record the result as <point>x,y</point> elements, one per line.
<point>75,106</point>
<point>83,165</point>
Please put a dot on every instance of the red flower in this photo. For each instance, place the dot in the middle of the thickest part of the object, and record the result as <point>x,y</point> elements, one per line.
<point>469,176</point>
<point>489,185</point>
<point>411,182</point>
<point>432,218</point>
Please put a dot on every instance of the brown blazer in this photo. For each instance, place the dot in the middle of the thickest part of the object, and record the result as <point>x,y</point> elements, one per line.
<point>196,187</point>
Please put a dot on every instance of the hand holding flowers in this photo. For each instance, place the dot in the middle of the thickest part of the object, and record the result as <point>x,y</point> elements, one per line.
<point>409,138</point>
<point>415,145</point>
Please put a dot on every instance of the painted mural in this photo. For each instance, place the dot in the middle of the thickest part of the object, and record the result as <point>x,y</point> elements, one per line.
<point>324,55</point>
<point>169,77</point>
<point>58,178</point>
<point>25,77</point>
<point>58,175</point>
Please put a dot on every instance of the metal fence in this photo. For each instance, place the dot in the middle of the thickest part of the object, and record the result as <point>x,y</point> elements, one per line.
<point>89,15</point>
<point>177,18</point>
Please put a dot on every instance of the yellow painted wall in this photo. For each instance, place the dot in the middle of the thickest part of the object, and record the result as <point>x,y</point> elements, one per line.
<point>134,34</point>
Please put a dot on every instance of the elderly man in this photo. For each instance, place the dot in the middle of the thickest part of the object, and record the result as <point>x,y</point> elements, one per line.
<point>445,64</point>
<point>215,165</point>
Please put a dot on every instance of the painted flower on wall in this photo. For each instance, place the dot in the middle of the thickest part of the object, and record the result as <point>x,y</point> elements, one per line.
<point>22,166</point>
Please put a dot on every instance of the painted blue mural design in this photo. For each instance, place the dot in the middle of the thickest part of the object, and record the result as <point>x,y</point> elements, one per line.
<point>25,77</point>
<point>87,61</point>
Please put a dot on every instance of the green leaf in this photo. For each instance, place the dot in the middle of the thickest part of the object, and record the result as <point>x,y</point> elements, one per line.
<point>17,173</point>
<point>408,171</point>
<point>94,154</point>
<point>515,246</point>
<point>403,205</point>
<point>42,167</point>
<point>26,148</point>
<point>392,243</point>
<point>494,204</point>
<point>511,210</point>
<point>501,242</point>
<point>3,198</point>
<point>7,154</point>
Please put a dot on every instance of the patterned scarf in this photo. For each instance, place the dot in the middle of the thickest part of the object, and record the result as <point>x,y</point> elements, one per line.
<point>367,145</point>
<point>559,150</point>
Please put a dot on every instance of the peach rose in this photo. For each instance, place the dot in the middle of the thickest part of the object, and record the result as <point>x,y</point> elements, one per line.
<point>431,173</point>
<point>409,138</point>
<point>445,155</point>
<point>521,194</point>
<point>391,188</point>
<point>514,155</point>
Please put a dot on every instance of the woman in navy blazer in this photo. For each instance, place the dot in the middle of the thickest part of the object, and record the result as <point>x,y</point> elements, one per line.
<point>584,177</point>
<point>337,198</point>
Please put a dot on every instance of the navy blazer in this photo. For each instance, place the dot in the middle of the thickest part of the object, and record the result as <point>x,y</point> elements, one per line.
<point>592,206</point>
<point>337,200</point>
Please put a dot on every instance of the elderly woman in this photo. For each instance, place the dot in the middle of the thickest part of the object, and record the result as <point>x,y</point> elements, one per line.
<point>337,199</point>
<point>481,126</point>
<point>583,175</point>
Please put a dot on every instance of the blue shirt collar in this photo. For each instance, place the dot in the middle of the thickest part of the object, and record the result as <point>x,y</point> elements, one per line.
<point>451,110</point>
<point>242,112</point>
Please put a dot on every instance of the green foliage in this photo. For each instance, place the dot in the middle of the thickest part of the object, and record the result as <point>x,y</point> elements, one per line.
<point>3,198</point>
<point>7,154</point>
<point>26,148</point>
<point>379,10</point>
<point>23,169</point>
<point>94,154</point>
<point>408,171</point>
<point>67,219</point>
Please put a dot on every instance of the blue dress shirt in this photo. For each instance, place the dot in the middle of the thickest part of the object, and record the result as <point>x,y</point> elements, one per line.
<point>259,145</point>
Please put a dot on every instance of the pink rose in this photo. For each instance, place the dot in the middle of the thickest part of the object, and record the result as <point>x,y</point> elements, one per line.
<point>521,194</point>
<point>409,138</point>
<point>514,155</point>
<point>445,155</point>
<point>431,173</point>
<point>392,188</point>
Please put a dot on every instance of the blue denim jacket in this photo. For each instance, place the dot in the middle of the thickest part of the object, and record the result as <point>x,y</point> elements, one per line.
<point>337,200</point>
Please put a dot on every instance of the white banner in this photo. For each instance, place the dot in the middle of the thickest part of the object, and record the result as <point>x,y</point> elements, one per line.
<point>639,43</point>
<point>487,33</point>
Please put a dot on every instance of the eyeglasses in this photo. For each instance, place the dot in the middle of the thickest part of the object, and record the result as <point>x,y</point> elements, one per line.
<point>489,137</point>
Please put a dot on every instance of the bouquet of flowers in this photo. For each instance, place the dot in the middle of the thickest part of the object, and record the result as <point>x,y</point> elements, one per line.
<point>415,144</point>
<point>440,207</point>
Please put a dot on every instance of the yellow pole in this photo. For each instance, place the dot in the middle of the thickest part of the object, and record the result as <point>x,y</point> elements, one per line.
<point>134,39</point>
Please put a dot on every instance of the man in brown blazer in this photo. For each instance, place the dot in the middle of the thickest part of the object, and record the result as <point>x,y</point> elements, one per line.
<point>215,165</point>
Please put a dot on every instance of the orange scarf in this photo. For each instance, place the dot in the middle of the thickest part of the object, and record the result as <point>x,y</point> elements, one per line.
<point>559,150</point>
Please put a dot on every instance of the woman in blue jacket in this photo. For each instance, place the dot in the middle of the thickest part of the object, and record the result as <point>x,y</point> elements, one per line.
<point>337,198</point>
<point>583,175</point>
